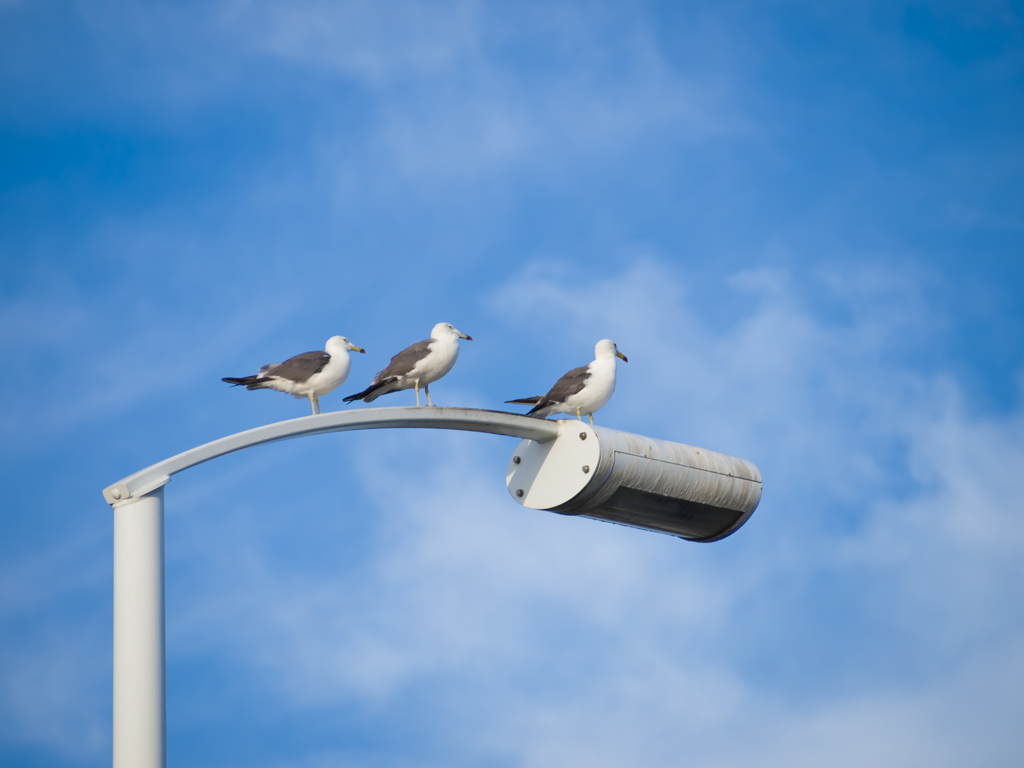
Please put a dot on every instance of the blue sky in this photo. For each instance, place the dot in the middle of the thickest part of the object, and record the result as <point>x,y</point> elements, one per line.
<point>803,223</point>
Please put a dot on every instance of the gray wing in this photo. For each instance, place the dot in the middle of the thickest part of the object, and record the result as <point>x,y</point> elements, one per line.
<point>405,360</point>
<point>566,386</point>
<point>298,368</point>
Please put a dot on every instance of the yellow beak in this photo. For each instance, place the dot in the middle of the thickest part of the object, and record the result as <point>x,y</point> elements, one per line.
<point>619,354</point>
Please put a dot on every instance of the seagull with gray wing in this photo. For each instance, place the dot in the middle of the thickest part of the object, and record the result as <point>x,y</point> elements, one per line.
<point>311,374</point>
<point>417,366</point>
<point>581,390</point>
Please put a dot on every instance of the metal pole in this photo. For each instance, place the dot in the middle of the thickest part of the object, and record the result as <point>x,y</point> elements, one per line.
<point>139,724</point>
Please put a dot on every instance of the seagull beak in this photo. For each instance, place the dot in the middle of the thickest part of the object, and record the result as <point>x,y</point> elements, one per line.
<point>619,354</point>
<point>358,349</point>
<point>464,336</point>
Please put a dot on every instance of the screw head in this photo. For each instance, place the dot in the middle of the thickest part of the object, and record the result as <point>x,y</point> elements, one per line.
<point>519,493</point>
<point>516,459</point>
<point>586,468</point>
<point>116,493</point>
<point>583,435</point>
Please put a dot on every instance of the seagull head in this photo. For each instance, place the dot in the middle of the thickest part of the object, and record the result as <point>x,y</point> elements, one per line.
<point>341,341</point>
<point>608,348</point>
<point>447,330</point>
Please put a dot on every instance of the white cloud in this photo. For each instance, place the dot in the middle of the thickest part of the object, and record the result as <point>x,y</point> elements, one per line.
<point>50,673</point>
<point>434,93</point>
<point>49,683</point>
<point>366,40</point>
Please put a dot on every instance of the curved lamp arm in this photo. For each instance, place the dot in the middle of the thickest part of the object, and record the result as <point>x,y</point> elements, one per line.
<point>147,480</point>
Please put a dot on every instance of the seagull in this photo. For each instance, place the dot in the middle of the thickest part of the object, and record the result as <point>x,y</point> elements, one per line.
<point>581,390</point>
<point>311,374</point>
<point>417,366</point>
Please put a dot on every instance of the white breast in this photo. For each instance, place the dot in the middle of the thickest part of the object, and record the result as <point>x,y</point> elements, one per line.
<point>442,356</point>
<point>598,390</point>
<point>332,375</point>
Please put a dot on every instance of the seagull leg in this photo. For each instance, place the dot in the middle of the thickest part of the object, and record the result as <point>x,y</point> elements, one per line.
<point>427,390</point>
<point>578,414</point>
<point>316,400</point>
<point>591,419</point>
<point>417,385</point>
<point>312,404</point>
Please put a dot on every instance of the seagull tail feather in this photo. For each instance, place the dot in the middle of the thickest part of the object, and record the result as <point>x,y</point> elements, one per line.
<point>249,382</point>
<point>541,405</point>
<point>371,393</point>
<point>526,400</point>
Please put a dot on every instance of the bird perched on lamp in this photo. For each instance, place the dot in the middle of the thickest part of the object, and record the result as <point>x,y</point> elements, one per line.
<point>311,374</point>
<point>582,390</point>
<point>416,366</point>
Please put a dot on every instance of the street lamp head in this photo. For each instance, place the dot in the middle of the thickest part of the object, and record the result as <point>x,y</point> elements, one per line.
<point>693,493</point>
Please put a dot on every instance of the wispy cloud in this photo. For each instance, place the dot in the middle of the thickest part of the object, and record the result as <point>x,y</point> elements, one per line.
<point>364,40</point>
<point>53,685</point>
<point>437,88</point>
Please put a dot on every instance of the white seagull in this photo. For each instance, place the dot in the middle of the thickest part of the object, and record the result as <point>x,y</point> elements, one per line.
<point>581,390</point>
<point>417,366</point>
<point>311,374</point>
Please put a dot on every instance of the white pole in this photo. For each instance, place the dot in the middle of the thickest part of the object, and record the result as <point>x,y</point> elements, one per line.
<point>139,731</point>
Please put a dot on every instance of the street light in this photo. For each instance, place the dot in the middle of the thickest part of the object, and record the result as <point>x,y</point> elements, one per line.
<point>564,466</point>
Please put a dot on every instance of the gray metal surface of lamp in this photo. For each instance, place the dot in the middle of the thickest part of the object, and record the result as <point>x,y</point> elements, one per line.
<point>564,466</point>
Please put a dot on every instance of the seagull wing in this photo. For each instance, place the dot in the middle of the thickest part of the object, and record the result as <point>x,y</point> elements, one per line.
<point>298,368</point>
<point>565,387</point>
<point>402,363</point>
